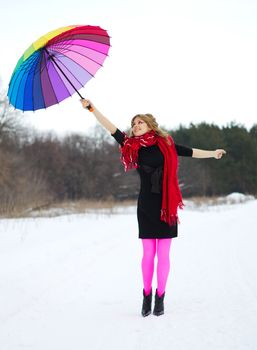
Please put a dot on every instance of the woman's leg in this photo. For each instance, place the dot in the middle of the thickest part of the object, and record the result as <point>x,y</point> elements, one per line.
<point>163,266</point>
<point>149,251</point>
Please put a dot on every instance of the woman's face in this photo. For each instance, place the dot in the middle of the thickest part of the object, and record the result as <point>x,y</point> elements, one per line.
<point>139,127</point>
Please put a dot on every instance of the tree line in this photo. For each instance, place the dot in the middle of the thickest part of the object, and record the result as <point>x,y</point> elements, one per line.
<point>235,172</point>
<point>37,169</point>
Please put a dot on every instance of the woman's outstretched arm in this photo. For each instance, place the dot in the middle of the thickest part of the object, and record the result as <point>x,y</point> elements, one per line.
<point>200,153</point>
<point>99,116</point>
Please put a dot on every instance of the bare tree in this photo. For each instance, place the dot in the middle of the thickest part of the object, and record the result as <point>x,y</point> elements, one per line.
<point>10,119</point>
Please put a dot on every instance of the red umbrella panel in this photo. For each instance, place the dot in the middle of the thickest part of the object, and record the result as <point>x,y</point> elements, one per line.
<point>57,65</point>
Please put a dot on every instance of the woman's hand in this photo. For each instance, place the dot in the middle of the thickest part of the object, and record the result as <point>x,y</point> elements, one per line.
<point>219,153</point>
<point>87,104</point>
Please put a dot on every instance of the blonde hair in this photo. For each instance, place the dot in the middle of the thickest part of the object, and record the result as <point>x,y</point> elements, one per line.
<point>151,123</point>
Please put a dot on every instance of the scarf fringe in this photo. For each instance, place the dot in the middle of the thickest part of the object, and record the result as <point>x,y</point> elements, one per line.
<point>171,219</point>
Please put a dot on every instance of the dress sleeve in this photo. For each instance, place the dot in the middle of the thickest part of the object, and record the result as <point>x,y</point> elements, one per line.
<point>119,136</point>
<point>184,151</point>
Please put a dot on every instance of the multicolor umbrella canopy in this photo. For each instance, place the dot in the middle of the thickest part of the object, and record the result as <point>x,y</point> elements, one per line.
<point>57,65</point>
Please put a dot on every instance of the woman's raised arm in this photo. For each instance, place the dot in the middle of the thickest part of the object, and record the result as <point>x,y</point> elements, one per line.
<point>99,116</point>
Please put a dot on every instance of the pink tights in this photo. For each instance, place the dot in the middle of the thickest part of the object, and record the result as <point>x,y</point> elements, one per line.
<point>150,246</point>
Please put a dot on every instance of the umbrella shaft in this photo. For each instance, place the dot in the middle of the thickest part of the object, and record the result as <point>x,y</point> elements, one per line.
<point>57,65</point>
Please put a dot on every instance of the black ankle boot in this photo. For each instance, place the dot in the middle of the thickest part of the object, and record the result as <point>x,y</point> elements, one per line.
<point>147,304</point>
<point>159,306</point>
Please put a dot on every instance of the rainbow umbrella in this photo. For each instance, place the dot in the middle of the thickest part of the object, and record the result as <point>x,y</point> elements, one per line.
<point>57,65</point>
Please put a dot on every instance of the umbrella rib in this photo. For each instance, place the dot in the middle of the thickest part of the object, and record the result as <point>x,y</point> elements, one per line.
<point>54,61</point>
<point>56,58</point>
<point>78,65</point>
<point>17,95</point>
<point>26,81</point>
<point>66,78</point>
<point>16,77</point>
<point>41,70</point>
<point>99,64</point>
<point>19,88</point>
<point>79,53</point>
<point>30,62</point>
<point>87,47</point>
<point>35,62</point>
<point>37,58</point>
<point>51,81</point>
<point>60,62</point>
<point>41,58</point>
<point>24,64</point>
<point>74,37</point>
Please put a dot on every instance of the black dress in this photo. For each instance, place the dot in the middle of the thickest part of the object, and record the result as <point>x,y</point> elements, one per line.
<point>150,160</point>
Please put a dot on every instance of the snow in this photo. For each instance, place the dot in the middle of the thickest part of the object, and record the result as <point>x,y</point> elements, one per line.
<point>218,203</point>
<point>74,282</point>
<point>238,197</point>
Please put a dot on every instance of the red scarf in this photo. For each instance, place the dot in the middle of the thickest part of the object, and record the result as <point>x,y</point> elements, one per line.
<point>171,195</point>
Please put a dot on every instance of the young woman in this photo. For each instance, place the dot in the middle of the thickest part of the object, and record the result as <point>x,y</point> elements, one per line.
<point>153,153</point>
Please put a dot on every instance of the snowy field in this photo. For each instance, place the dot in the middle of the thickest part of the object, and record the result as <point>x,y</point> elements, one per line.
<point>74,282</point>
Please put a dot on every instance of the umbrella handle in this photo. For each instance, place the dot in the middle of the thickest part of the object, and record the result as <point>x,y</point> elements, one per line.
<point>90,108</point>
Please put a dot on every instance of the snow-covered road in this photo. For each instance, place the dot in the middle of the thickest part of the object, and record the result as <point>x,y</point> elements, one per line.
<point>74,282</point>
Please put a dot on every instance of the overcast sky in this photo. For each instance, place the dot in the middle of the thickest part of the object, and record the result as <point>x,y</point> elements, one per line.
<point>183,61</point>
